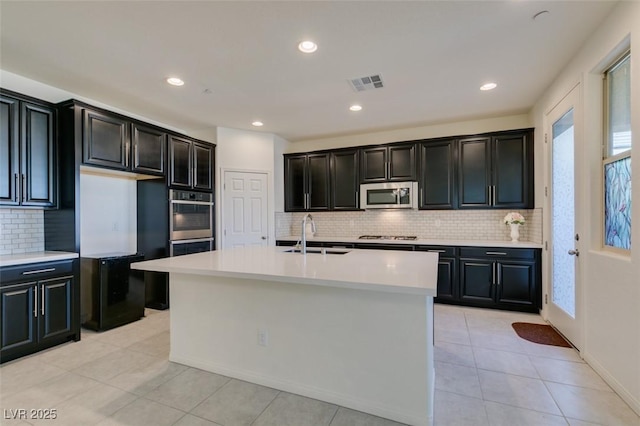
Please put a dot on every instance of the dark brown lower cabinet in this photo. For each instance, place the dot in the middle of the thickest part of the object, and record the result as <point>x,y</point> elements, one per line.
<point>38,307</point>
<point>501,278</point>
<point>487,277</point>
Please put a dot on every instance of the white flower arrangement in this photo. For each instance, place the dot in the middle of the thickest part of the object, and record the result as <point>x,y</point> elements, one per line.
<point>514,218</point>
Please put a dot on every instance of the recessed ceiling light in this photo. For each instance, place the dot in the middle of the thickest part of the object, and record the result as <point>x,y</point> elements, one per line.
<point>355,107</point>
<point>307,46</point>
<point>257,123</point>
<point>488,86</point>
<point>175,81</point>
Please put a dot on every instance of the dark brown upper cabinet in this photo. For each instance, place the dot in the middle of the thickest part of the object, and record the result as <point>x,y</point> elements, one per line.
<point>345,182</point>
<point>28,152</point>
<point>496,171</point>
<point>148,150</point>
<point>307,182</point>
<point>437,174</point>
<point>190,164</point>
<point>395,162</point>
<point>105,140</point>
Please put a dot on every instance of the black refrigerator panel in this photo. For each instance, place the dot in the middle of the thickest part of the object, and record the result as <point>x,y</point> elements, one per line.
<point>153,237</point>
<point>112,293</point>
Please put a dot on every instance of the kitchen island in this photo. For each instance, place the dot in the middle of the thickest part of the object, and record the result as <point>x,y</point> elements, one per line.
<point>350,327</point>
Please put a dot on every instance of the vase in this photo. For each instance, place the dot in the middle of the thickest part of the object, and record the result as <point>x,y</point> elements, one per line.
<point>515,232</point>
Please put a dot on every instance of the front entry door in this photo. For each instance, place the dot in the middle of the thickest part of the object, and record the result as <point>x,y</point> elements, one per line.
<point>564,239</point>
<point>245,209</point>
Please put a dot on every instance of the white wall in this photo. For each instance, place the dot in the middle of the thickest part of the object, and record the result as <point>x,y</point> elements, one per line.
<point>243,150</point>
<point>610,283</point>
<point>469,127</point>
<point>108,215</point>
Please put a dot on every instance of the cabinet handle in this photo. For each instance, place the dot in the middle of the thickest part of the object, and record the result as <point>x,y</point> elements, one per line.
<point>496,253</point>
<point>42,300</point>
<point>35,303</point>
<point>39,271</point>
<point>17,188</point>
<point>24,188</point>
<point>493,198</point>
<point>493,273</point>
<point>499,269</point>
<point>437,251</point>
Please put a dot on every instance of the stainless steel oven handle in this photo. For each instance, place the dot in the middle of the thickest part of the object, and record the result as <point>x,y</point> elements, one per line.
<point>193,240</point>
<point>199,203</point>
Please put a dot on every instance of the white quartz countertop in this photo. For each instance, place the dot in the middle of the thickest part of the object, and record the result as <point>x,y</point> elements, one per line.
<point>377,270</point>
<point>35,257</point>
<point>426,242</point>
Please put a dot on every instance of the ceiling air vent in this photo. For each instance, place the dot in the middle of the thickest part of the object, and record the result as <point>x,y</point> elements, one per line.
<point>366,83</point>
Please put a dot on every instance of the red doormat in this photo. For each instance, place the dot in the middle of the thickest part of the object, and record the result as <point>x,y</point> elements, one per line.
<point>540,333</point>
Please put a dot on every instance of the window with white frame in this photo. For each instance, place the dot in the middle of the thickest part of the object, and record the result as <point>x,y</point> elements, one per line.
<point>617,159</point>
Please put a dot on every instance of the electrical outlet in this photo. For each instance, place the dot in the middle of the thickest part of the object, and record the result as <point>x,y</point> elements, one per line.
<point>263,337</point>
<point>351,223</point>
<point>114,227</point>
<point>438,223</point>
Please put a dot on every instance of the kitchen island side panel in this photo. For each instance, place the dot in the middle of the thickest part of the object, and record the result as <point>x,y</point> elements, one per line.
<point>367,350</point>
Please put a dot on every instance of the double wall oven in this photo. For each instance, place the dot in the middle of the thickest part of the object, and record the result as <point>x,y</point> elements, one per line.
<point>190,222</point>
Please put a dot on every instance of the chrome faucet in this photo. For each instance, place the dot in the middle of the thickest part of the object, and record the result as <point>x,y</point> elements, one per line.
<point>303,239</point>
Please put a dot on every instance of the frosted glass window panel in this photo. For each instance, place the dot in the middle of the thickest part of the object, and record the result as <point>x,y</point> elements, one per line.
<point>617,203</point>
<point>563,214</point>
<point>619,106</point>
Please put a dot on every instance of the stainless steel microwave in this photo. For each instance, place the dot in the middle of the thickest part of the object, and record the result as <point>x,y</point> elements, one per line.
<point>389,195</point>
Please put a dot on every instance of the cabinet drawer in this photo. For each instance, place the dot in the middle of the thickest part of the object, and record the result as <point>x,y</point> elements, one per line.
<point>499,252</point>
<point>35,271</point>
<point>442,250</point>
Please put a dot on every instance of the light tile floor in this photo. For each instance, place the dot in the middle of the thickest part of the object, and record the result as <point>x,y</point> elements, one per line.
<point>485,375</point>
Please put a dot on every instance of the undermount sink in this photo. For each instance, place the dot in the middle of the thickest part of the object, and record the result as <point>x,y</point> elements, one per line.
<point>317,251</point>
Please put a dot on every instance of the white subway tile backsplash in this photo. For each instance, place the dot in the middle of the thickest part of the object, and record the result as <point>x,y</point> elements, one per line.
<point>428,224</point>
<point>22,231</point>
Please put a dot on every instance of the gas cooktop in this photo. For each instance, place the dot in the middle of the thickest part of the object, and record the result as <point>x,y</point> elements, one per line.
<point>387,237</point>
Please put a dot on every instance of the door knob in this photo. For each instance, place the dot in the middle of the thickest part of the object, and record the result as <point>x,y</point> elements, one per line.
<point>264,238</point>
<point>574,252</point>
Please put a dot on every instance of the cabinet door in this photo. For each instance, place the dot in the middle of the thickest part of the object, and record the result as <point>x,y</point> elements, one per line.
<point>202,166</point>
<point>180,162</point>
<point>402,162</point>
<point>512,167</point>
<point>148,148</point>
<point>373,164</point>
<point>474,173</point>
<point>295,183</point>
<point>105,140</point>
<point>55,307</point>
<point>476,281</point>
<point>345,184</point>
<point>38,155</point>
<point>9,152</point>
<point>437,175</point>
<point>18,314</point>
<point>318,182</point>
<point>447,279</point>
<point>516,283</point>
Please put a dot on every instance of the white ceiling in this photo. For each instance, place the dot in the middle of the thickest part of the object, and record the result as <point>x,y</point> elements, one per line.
<point>433,57</point>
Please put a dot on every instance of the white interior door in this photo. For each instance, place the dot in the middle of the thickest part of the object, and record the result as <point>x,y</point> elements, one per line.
<point>245,209</point>
<point>564,311</point>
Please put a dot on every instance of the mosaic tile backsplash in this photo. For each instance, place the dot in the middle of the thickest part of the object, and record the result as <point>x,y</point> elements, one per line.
<point>429,224</point>
<point>21,231</point>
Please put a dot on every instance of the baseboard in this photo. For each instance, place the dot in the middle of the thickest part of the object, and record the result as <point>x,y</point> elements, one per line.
<point>633,403</point>
<point>306,390</point>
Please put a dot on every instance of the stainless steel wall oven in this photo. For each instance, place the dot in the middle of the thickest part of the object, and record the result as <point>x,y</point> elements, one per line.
<point>190,215</point>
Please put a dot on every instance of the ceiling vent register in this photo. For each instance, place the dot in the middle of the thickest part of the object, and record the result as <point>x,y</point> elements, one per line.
<point>366,83</point>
